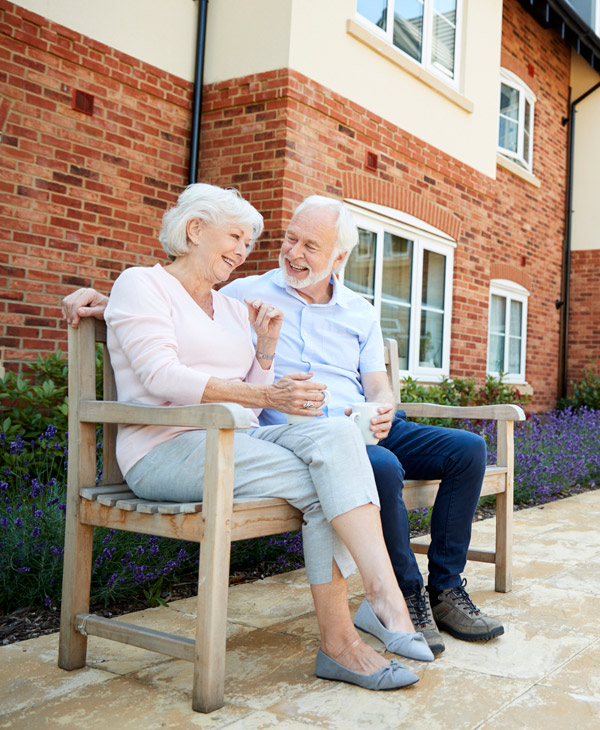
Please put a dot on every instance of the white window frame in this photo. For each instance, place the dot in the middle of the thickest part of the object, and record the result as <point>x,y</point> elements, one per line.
<point>380,220</point>
<point>426,51</point>
<point>525,94</point>
<point>512,292</point>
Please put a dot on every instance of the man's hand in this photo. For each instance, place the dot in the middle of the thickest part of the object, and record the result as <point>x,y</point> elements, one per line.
<point>83,303</point>
<point>380,424</point>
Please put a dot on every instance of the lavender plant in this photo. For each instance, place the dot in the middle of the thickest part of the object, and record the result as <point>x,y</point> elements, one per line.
<point>556,453</point>
<point>32,511</point>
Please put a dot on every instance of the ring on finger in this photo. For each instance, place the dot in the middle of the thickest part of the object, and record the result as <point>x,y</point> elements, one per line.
<point>308,404</point>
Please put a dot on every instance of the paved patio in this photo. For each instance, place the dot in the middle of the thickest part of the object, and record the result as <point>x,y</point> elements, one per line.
<point>543,673</point>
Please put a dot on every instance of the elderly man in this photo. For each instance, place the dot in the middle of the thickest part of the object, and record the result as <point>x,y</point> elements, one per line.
<point>334,333</point>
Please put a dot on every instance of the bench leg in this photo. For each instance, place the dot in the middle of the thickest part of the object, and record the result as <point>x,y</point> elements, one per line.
<point>213,580</point>
<point>504,510</point>
<point>77,572</point>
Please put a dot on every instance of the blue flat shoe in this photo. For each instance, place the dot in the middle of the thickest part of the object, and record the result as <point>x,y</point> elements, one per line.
<point>412,646</point>
<point>391,677</point>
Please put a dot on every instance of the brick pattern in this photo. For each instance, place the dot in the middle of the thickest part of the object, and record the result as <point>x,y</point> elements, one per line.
<point>511,273</point>
<point>584,313</point>
<point>82,196</point>
<point>277,136</point>
<point>283,136</point>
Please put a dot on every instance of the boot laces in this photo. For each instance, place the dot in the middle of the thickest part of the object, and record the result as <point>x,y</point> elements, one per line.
<point>418,609</point>
<point>461,597</point>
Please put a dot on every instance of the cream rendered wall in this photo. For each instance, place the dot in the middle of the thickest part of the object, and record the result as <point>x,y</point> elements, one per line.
<point>159,32</point>
<point>310,36</point>
<point>246,37</point>
<point>586,157</point>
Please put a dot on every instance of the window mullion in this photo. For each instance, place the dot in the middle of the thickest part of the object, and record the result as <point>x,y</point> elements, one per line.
<point>377,284</point>
<point>506,334</point>
<point>521,127</point>
<point>390,22</point>
<point>427,33</point>
<point>415,306</point>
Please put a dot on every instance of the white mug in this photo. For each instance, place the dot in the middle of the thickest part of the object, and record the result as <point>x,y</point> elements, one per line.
<point>293,418</point>
<point>362,413</point>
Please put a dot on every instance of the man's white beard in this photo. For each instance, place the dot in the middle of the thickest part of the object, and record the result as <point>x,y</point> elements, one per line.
<point>313,277</point>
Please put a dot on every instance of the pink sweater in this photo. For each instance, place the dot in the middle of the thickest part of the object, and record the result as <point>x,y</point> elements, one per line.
<point>164,348</point>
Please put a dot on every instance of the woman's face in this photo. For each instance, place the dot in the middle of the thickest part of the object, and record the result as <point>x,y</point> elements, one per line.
<point>220,249</point>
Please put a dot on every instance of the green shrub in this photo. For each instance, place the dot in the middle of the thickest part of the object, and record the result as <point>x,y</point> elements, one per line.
<point>36,399</point>
<point>459,392</point>
<point>586,393</point>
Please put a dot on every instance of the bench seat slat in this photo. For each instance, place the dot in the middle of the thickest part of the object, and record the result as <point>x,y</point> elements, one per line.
<point>110,500</point>
<point>92,493</point>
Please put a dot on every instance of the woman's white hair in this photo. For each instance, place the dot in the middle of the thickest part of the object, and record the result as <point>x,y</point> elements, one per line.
<point>347,231</point>
<point>215,206</point>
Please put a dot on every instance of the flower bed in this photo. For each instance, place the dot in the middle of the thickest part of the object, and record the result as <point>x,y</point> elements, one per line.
<point>555,454</point>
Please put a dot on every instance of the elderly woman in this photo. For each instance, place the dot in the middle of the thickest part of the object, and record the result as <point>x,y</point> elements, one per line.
<point>174,340</point>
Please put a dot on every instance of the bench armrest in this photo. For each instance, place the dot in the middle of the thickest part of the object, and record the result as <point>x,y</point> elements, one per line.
<point>207,415</point>
<point>498,412</point>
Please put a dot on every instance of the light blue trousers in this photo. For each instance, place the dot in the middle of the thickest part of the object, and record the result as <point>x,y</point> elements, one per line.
<point>321,467</point>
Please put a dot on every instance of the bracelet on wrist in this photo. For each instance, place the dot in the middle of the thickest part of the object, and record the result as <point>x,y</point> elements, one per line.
<point>264,356</point>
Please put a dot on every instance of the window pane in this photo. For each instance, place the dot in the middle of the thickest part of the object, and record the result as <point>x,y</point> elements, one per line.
<point>408,27</point>
<point>498,314</point>
<point>397,268</point>
<point>359,274</point>
<point>509,102</point>
<point>508,136</point>
<point>444,35</point>
<point>395,323</point>
<point>396,292</point>
<point>514,355</point>
<point>374,10</point>
<point>496,353</point>
<point>434,276</point>
<point>526,128</point>
<point>430,345</point>
<point>516,318</point>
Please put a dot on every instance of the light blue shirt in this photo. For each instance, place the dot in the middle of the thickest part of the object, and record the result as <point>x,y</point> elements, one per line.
<point>336,341</point>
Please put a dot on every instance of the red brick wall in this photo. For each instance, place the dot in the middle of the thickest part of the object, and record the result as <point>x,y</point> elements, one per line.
<point>85,194</point>
<point>82,196</point>
<point>584,313</point>
<point>284,136</point>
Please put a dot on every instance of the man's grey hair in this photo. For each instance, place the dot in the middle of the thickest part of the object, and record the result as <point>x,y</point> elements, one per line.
<point>347,231</point>
<point>215,206</point>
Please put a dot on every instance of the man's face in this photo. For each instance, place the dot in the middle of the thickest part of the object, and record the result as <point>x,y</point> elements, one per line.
<point>307,254</point>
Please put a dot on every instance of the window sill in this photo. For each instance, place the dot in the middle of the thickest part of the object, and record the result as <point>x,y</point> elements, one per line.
<point>412,67</point>
<point>517,170</point>
<point>522,388</point>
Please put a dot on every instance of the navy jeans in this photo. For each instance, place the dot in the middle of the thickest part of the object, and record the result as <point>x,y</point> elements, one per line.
<point>416,451</point>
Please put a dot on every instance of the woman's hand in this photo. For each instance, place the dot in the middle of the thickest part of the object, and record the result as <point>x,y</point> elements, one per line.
<point>265,319</point>
<point>293,391</point>
<point>83,303</point>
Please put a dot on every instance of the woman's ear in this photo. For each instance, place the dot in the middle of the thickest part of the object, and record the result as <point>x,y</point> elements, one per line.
<point>193,230</point>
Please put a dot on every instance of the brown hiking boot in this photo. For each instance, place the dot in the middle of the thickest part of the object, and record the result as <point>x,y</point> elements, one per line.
<point>419,609</point>
<point>458,615</point>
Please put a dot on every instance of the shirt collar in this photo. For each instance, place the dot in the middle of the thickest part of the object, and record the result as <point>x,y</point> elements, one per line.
<point>339,295</point>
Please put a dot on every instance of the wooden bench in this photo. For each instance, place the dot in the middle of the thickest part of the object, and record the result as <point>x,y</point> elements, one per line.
<point>214,523</point>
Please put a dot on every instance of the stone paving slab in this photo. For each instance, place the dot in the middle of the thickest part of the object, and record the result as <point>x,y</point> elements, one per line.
<point>544,672</point>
